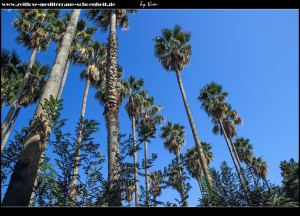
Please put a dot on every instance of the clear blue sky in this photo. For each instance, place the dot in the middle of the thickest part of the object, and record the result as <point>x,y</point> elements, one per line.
<point>254,54</point>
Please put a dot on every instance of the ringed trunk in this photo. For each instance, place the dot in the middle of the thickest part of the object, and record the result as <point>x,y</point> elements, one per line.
<point>111,110</point>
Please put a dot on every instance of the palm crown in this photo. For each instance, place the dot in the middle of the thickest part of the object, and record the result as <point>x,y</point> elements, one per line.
<point>172,48</point>
<point>173,135</point>
<point>35,27</point>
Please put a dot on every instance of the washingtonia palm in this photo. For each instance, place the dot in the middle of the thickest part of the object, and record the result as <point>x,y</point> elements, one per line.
<point>111,19</point>
<point>244,150</point>
<point>230,120</point>
<point>147,129</point>
<point>31,93</point>
<point>173,135</point>
<point>133,108</point>
<point>173,51</point>
<point>93,58</point>
<point>212,98</point>
<point>34,27</point>
<point>193,164</point>
<point>23,177</point>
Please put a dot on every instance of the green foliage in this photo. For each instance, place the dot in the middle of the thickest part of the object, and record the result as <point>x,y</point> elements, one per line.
<point>290,182</point>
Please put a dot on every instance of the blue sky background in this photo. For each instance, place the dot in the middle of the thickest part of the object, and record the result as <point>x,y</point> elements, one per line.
<point>253,54</point>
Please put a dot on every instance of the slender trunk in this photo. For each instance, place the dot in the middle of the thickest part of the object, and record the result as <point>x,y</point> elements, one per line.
<point>22,179</point>
<point>11,124</point>
<point>19,93</point>
<point>239,162</point>
<point>46,141</point>
<point>146,175</point>
<point>63,81</point>
<point>201,188</point>
<point>136,188</point>
<point>233,159</point>
<point>267,184</point>
<point>254,178</point>
<point>196,138</point>
<point>182,193</point>
<point>111,110</point>
<point>79,137</point>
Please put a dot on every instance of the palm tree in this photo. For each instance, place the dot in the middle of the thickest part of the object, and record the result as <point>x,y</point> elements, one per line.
<point>31,93</point>
<point>155,179</point>
<point>12,72</point>
<point>230,120</point>
<point>173,51</point>
<point>244,150</point>
<point>193,165</point>
<point>133,109</point>
<point>147,129</point>
<point>260,169</point>
<point>212,99</point>
<point>93,59</point>
<point>83,36</point>
<point>34,28</point>
<point>173,135</point>
<point>23,177</point>
<point>104,19</point>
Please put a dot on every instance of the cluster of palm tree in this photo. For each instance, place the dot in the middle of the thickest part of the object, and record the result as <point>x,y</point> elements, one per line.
<point>75,44</point>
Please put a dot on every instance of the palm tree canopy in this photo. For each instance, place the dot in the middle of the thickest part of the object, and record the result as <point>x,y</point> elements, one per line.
<point>212,98</point>
<point>101,18</point>
<point>192,162</point>
<point>35,27</point>
<point>93,58</point>
<point>172,48</point>
<point>133,86</point>
<point>173,135</point>
<point>83,34</point>
<point>149,118</point>
<point>244,150</point>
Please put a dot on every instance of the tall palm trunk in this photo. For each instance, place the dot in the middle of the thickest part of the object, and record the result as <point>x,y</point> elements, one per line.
<point>63,81</point>
<point>22,179</point>
<point>239,162</point>
<point>254,178</point>
<point>79,137</point>
<point>182,193</point>
<point>146,175</point>
<point>196,138</point>
<point>19,93</point>
<point>11,124</point>
<point>233,159</point>
<point>46,141</point>
<point>201,188</point>
<point>111,111</point>
<point>136,187</point>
